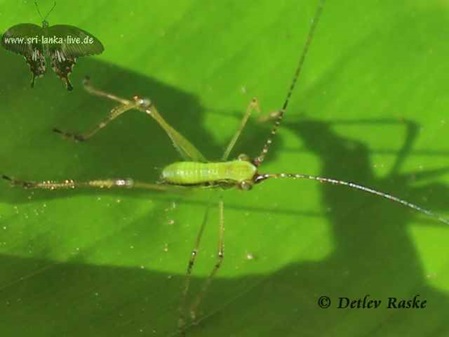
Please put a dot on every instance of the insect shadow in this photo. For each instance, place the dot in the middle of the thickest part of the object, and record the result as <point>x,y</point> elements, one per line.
<point>283,297</point>
<point>373,254</point>
<point>132,146</point>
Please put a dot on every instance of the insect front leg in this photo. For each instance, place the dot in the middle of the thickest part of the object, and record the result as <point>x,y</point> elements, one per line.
<point>253,105</point>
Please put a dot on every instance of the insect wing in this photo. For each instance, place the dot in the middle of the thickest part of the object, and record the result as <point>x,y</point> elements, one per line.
<point>66,44</point>
<point>76,42</point>
<point>19,38</point>
<point>25,39</point>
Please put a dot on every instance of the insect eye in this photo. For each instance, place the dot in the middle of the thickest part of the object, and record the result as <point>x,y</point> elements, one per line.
<point>243,157</point>
<point>245,185</point>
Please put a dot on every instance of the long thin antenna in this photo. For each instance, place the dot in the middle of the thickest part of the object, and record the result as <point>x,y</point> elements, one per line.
<point>304,52</point>
<point>48,13</point>
<point>302,58</point>
<point>262,177</point>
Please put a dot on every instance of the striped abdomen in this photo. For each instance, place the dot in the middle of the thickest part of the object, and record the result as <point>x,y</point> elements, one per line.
<point>195,173</point>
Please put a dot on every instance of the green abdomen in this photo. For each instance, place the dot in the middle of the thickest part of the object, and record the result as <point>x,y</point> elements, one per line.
<point>194,173</point>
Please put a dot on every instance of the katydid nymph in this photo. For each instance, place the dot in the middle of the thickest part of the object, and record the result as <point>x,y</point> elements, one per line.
<point>197,172</point>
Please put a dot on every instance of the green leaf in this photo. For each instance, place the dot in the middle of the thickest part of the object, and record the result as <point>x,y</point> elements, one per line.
<point>370,107</point>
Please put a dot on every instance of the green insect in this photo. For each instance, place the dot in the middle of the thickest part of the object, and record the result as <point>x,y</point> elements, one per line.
<point>63,44</point>
<point>195,171</point>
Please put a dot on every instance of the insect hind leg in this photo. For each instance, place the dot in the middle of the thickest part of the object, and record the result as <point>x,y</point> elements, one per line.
<point>126,183</point>
<point>125,105</point>
<point>113,114</point>
<point>97,92</point>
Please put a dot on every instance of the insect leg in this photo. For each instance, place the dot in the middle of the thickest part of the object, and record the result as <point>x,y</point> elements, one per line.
<point>253,105</point>
<point>219,261</point>
<point>186,149</point>
<point>113,114</point>
<point>72,184</point>
<point>97,92</point>
<point>191,263</point>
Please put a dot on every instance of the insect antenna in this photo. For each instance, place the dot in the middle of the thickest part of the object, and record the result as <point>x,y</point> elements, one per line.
<point>280,114</point>
<point>417,208</point>
<point>48,13</point>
